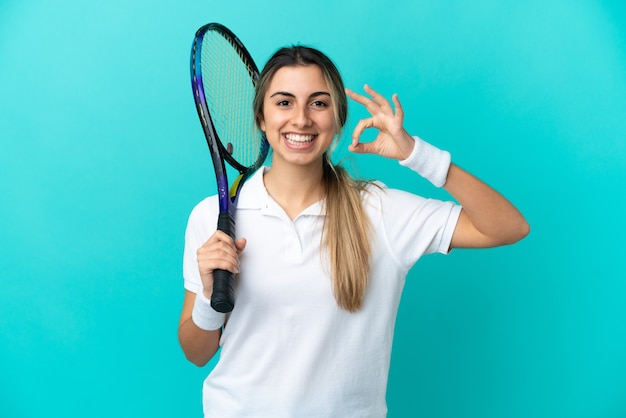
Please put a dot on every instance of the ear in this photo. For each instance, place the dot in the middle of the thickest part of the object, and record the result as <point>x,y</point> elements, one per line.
<point>262,124</point>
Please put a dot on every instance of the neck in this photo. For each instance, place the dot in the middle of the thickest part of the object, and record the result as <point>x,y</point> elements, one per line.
<point>294,188</point>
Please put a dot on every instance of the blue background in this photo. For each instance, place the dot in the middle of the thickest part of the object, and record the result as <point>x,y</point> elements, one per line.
<point>103,157</point>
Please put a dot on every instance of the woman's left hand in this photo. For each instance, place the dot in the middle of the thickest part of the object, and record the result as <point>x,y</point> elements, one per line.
<point>393,141</point>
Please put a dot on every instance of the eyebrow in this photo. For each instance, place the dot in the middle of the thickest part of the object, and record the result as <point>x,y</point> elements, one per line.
<point>316,94</point>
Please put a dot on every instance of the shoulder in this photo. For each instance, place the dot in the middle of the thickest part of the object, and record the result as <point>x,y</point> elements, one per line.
<point>207,205</point>
<point>251,195</point>
<point>378,194</point>
<point>396,206</point>
<point>204,212</point>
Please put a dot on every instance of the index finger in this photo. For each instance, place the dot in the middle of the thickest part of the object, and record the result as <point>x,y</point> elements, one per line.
<point>378,98</point>
<point>220,236</point>
<point>359,98</point>
<point>373,105</point>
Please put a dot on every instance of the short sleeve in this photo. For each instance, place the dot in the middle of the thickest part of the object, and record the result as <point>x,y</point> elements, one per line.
<point>416,226</point>
<point>200,226</point>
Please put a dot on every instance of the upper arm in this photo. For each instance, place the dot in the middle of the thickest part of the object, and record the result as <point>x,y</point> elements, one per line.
<point>487,219</point>
<point>466,235</point>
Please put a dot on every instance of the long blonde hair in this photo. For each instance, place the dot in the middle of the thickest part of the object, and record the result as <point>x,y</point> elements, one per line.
<point>346,231</point>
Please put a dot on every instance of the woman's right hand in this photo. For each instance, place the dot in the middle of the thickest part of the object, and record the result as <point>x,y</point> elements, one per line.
<point>219,252</point>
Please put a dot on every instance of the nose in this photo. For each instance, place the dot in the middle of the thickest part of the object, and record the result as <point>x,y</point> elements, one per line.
<point>301,117</point>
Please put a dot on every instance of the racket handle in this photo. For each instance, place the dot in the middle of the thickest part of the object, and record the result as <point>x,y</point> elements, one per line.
<point>223,296</point>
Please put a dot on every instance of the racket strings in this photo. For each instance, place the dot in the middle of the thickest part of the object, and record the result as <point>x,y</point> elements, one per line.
<point>229,92</point>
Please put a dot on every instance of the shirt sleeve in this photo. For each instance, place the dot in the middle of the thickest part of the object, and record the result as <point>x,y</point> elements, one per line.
<point>200,226</point>
<point>415,226</point>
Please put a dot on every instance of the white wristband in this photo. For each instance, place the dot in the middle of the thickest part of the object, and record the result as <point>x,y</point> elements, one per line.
<point>428,161</point>
<point>204,316</point>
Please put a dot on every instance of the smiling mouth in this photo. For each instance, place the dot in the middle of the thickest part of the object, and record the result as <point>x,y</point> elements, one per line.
<point>297,139</point>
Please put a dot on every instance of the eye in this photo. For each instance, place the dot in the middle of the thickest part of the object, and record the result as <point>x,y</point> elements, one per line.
<point>319,103</point>
<point>283,103</point>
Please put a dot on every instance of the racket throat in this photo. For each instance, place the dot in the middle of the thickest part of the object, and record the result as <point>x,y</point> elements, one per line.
<point>234,189</point>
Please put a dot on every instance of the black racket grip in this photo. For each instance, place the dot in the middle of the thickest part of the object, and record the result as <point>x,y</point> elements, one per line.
<point>223,296</point>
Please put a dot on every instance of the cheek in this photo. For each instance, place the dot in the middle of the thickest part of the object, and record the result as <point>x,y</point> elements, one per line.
<point>329,125</point>
<point>269,120</point>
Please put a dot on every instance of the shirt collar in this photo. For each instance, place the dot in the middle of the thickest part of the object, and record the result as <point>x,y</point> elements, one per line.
<point>254,195</point>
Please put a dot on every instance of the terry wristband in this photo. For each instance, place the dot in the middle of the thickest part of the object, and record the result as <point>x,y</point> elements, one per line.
<point>429,162</point>
<point>204,316</point>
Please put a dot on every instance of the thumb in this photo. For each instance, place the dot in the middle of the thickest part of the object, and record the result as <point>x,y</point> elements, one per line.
<point>362,148</point>
<point>240,244</point>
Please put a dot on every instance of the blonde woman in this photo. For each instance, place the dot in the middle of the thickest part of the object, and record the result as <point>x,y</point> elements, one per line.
<point>321,257</point>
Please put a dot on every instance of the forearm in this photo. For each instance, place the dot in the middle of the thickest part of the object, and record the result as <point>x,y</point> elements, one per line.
<point>488,219</point>
<point>199,329</point>
<point>198,345</point>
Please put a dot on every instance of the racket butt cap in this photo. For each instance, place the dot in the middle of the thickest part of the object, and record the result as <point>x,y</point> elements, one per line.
<point>222,305</point>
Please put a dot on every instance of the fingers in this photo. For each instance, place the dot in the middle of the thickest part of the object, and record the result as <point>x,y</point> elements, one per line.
<point>378,98</point>
<point>383,115</point>
<point>240,244</point>
<point>363,148</point>
<point>398,106</point>
<point>388,118</point>
<point>219,252</point>
<point>357,97</point>
<point>360,127</point>
<point>374,105</point>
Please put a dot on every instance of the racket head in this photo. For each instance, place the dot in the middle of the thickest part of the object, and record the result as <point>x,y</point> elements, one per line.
<point>223,78</point>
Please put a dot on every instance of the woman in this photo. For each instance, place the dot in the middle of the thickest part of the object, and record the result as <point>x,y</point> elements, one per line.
<point>323,257</point>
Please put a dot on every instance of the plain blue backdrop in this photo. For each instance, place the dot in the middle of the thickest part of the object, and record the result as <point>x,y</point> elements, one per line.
<point>102,157</point>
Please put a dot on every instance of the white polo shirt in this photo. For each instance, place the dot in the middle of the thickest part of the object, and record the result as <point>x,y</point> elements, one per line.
<point>287,349</point>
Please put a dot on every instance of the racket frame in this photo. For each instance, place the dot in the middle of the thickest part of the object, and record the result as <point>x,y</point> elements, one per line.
<point>223,295</point>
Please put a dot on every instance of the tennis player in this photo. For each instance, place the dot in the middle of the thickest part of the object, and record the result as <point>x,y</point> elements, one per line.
<point>321,257</point>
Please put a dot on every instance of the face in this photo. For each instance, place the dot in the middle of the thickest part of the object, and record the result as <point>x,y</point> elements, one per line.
<point>298,116</point>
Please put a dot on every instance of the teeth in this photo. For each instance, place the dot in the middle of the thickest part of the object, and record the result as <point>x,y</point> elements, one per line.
<point>299,139</point>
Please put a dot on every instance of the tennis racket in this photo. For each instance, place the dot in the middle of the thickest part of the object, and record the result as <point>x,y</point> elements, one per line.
<point>223,77</point>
